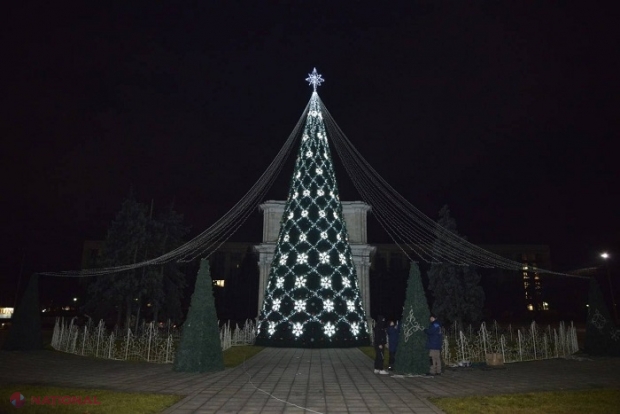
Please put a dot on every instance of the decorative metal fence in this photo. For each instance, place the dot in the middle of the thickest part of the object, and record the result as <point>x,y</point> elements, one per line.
<point>151,342</point>
<point>514,345</point>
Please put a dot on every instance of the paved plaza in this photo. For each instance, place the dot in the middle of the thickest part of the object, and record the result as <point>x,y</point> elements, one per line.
<point>305,381</point>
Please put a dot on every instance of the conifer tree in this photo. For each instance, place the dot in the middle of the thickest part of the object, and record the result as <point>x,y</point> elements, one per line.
<point>200,349</point>
<point>411,353</point>
<point>312,297</point>
<point>25,332</point>
<point>458,296</point>
<point>602,336</point>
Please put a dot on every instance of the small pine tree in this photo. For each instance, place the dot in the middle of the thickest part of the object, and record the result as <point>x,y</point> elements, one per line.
<point>200,349</point>
<point>25,332</point>
<point>411,354</point>
<point>601,332</point>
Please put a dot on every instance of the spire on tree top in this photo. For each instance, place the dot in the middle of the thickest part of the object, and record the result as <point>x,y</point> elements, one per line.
<point>315,79</point>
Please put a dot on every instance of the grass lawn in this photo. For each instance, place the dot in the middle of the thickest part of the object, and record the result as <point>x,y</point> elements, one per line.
<point>112,402</point>
<point>600,401</point>
<point>238,354</point>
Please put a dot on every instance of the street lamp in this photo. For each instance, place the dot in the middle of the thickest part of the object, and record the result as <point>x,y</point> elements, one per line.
<point>606,257</point>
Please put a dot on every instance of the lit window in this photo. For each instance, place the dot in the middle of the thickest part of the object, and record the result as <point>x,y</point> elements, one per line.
<point>530,307</point>
<point>545,306</point>
<point>219,282</point>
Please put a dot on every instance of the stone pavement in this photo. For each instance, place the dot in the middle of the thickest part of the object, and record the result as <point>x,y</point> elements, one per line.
<point>279,380</point>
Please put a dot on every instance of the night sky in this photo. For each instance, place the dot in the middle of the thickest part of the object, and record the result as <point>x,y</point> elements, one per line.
<point>505,111</point>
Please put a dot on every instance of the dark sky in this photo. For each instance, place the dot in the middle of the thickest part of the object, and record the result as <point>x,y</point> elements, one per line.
<point>505,111</point>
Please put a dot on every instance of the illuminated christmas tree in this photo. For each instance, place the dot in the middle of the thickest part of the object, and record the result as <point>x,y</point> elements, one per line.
<point>312,297</point>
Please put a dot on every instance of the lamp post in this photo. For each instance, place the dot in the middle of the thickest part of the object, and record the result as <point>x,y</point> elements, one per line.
<point>606,257</point>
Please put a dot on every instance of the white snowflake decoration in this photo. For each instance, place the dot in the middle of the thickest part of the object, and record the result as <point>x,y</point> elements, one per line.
<point>320,192</point>
<point>335,214</point>
<point>309,154</point>
<point>280,283</point>
<point>286,236</point>
<point>290,216</point>
<point>296,194</point>
<point>298,174</point>
<point>283,259</point>
<point>302,258</point>
<point>304,137</point>
<point>355,328</point>
<point>276,304</point>
<point>326,282</point>
<point>346,283</point>
<point>324,235</point>
<point>304,213</point>
<point>615,334</point>
<point>300,281</point>
<point>351,306</point>
<point>319,171</point>
<point>598,320</point>
<point>330,329</point>
<point>343,259</point>
<point>324,258</point>
<point>298,329</point>
<point>322,213</point>
<point>306,193</point>
<point>300,305</point>
<point>338,236</point>
<point>272,328</point>
<point>328,305</point>
<point>302,237</point>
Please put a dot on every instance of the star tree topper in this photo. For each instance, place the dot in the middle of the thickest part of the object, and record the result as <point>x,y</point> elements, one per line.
<point>315,79</point>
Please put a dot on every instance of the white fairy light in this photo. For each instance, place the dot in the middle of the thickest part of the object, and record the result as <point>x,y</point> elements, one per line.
<point>298,329</point>
<point>346,283</point>
<point>309,154</point>
<point>306,193</point>
<point>319,171</point>
<point>283,259</point>
<point>328,305</point>
<point>276,304</point>
<point>280,282</point>
<point>291,215</point>
<point>304,213</point>
<point>324,235</point>
<point>286,236</point>
<point>320,192</point>
<point>272,328</point>
<point>322,213</point>
<point>300,305</point>
<point>355,328</point>
<point>351,306</point>
<point>302,237</point>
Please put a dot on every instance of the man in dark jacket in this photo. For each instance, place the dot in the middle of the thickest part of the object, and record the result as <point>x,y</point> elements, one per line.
<point>379,342</point>
<point>433,344</point>
<point>392,332</point>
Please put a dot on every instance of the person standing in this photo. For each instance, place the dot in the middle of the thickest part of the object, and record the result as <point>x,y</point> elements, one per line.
<point>392,332</point>
<point>433,344</point>
<point>380,340</point>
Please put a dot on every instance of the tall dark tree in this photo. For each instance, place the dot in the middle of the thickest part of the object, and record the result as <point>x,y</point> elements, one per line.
<point>125,244</point>
<point>136,235</point>
<point>411,354</point>
<point>602,336</point>
<point>200,349</point>
<point>458,296</point>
